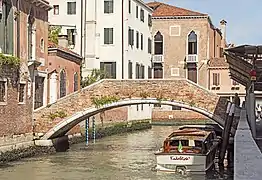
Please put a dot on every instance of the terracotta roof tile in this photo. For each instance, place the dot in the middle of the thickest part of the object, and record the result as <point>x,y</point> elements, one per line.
<point>162,9</point>
<point>53,45</point>
<point>218,62</point>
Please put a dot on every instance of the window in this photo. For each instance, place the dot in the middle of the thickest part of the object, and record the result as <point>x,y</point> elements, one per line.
<point>108,6</point>
<point>149,46</point>
<point>137,71</point>
<point>31,36</point>
<point>192,43</point>
<point>142,41</point>
<point>130,36</point>
<point>158,41</point>
<point>137,39</point>
<point>21,93</point>
<point>71,36</point>
<point>142,16</point>
<point>136,11</point>
<point>108,36</point>
<point>130,70</point>
<point>75,82</point>
<point>109,68</point>
<point>142,107</point>
<point>42,45</point>
<point>71,7</point>
<point>56,9</point>
<point>149,20</point>
<point>62,83</point>
<point>3,91</point>
<point>149,72</point>
<point>216,79</point>
<point>129,6</point>
<point>221,50</point>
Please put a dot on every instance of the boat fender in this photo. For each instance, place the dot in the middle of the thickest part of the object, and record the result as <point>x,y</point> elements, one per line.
<point>181,170</point>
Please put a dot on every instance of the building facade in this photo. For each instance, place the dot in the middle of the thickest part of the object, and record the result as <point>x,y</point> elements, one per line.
<point>24,35</point>
<point>63,72</point>
<point>187,45</point>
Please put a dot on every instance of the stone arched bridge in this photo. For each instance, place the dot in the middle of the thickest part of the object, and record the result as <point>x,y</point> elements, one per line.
<point>79,105</point>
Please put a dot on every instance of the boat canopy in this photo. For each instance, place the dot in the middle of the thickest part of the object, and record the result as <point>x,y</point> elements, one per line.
<point>193,134</point>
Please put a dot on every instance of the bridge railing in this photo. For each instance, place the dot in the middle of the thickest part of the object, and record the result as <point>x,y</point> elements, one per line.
<point>247,155</point>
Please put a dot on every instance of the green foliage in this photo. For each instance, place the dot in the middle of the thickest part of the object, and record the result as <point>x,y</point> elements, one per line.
<point>98,102</point>
<point>60,114</point>
<point>95,76</point>
<point>53,32</point>
<point>9,60</point>
<point>144,94</point>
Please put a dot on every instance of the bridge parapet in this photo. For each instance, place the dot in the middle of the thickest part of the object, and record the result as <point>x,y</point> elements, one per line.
<point>247,155</point>
<point>177,90</point>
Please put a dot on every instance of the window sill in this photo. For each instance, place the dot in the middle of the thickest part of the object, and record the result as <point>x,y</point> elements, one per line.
<point>108,45</point>
<point>21,103</point>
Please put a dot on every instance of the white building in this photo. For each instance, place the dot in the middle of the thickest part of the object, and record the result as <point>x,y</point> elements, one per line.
<point>116,38</point>
<point>68,15</point>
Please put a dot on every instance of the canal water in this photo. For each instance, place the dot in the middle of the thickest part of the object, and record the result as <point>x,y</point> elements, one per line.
<point>119,157</point>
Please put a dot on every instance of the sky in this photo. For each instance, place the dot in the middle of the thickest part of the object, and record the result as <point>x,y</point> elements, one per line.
<point>244,21</point>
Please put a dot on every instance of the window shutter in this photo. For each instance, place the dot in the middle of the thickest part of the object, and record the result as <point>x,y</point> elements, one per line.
<point>105,36</point>
<point>114,70</point>
<point>129,36</point>
<point>102,66</point>
<point>132,37</point>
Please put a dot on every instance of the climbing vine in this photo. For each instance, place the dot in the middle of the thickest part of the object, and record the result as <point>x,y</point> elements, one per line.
<point>60,114</point>
<point>100,101</point>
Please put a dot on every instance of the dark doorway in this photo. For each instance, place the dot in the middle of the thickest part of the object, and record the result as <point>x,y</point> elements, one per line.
<point>39,92</point>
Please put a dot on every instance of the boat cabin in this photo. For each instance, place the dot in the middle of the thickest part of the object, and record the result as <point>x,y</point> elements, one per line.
<point>189,141</point>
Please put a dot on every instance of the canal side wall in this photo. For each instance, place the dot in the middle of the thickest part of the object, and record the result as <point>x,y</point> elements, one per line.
<point>22,146</point>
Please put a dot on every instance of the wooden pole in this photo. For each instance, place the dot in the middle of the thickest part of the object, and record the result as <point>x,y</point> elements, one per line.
<point>226,135</point>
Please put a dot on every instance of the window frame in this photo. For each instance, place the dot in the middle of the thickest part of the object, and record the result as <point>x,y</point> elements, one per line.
<point>24,93</point>
<point>108,41</point>
<point>108,6</point>
<point>56,9</point>
<point>216,79</point>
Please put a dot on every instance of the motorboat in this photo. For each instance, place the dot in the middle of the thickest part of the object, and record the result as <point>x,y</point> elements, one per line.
<point>188,150</point>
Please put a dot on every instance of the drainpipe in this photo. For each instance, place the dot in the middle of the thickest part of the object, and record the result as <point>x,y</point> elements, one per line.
<point>122,39</point>
<point>18,29</point>
<point>81,31</point>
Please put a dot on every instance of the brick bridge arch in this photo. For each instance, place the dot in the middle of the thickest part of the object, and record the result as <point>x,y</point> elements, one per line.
<point>179,92</point>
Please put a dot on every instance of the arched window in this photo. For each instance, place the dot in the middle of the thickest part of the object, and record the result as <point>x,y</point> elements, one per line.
<point>158,41</point>
<point>192,43</point>
<point>62,83</point>
<point>75,82</point>
<point>42,45</point>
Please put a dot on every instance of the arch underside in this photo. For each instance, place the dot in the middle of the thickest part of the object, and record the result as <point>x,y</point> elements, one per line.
<point>65,125</point>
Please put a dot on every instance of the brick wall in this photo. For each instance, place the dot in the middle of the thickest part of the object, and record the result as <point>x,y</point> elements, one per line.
<point>176,115</point>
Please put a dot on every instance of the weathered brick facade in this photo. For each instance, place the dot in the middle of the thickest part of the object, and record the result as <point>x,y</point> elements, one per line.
<point>16,117</point>
<point>178,90</point>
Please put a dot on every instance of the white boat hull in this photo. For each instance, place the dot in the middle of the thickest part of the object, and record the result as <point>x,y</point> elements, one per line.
<point>175,162</point>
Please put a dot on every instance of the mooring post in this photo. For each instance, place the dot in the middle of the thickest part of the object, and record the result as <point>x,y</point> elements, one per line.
<point>87,127</point>
<point>226,134</point>
<point>94,129</point>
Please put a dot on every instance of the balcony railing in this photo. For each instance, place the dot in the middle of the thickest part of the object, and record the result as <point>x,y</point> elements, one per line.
<point>158,58</point>
<point>191,58</point>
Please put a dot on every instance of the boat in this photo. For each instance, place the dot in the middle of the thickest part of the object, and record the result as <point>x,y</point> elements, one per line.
<point>206,127</point>
<point>188,150</point>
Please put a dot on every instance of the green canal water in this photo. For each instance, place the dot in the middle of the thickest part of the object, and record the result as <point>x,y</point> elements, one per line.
<point>119,157</point>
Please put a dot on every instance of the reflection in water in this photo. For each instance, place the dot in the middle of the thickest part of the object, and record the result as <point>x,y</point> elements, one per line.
<point>121,157</point>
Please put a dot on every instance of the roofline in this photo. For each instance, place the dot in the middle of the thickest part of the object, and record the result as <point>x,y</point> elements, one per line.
<point>180,17</point>
<point>58,49</point>
<point>145,5</point>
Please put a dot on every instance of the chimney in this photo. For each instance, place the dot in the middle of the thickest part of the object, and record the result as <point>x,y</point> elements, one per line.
<point>223,24</point>
<point>63,41</point>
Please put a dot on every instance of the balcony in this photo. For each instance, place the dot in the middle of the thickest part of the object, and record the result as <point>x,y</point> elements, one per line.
<point>158,58</point>
<point>192,58</point>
